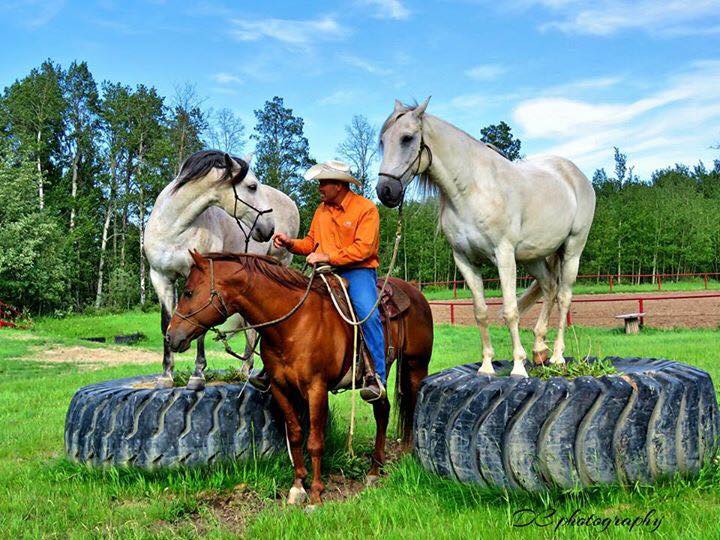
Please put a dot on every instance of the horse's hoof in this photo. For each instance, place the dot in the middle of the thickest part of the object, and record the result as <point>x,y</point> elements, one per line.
<point>557,361</point>
<point>520,372</point>
<point>164,382</point>
<point>371,480</point>
<point>311,508</point>
<point>540,357</point>
<point>196,383</point>
<point>297,496</point>
<point>486,370</point>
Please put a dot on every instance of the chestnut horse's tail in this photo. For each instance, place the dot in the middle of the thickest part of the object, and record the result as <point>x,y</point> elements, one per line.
<point>405,399</point>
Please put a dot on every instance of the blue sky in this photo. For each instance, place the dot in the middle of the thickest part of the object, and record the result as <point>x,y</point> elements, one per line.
<point>572,77</point>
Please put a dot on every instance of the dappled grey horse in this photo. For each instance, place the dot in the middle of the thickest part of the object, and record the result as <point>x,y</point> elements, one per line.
<point>537,212</point>
<point>213,205</point>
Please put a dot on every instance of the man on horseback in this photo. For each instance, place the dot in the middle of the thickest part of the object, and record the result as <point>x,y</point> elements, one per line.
<point>345,233</point>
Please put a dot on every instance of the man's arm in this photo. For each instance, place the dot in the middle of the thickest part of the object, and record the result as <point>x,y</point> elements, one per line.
<point>366,240</point>
<point>304,246</point>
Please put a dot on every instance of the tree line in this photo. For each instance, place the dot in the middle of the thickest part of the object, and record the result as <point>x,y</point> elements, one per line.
<point>82,162</point>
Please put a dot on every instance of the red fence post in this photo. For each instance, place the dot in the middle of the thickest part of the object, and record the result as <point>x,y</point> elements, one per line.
<point>611,283</point>
<point>659,283</point>
<point>568,318</point>
<point>452,313</point>
<point>640,310</point>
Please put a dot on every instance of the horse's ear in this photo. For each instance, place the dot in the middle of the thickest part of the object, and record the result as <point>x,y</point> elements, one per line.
<point>229,165</point>
<point>399,106</point>
<point>420,109</point>
<point>196,257</point>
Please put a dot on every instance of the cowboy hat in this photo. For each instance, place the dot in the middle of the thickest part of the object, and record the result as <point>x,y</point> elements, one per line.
<point>331,170</point>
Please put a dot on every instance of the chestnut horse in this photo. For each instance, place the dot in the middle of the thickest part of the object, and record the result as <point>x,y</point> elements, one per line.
<point>307,354</point>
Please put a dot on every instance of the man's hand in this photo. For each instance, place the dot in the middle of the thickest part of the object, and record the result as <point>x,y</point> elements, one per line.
<point>281,240</point>
<point>315,258</point>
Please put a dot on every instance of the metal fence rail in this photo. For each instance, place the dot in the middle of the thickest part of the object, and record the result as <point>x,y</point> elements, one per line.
<point>640,299</point>
<point>612,279</point>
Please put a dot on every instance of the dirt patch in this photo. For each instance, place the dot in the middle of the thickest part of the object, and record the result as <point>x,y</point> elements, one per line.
<point>233,509</point>
<point>340,488</point>
<point>91,358</point>
<point>661,310</point>
<point>17,335</point>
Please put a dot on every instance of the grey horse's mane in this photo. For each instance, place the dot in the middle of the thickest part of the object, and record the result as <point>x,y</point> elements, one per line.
<point>200,163</point>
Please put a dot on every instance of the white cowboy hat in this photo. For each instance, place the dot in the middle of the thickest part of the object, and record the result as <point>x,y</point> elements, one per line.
<point>331,170</point>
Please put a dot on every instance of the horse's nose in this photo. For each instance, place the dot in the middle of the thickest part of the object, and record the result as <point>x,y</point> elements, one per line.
<point>386,194</point>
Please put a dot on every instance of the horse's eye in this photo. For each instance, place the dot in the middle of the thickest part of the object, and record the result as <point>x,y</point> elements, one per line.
<point>188,294</point>
<point>406,139</point>
<point>252,187</point>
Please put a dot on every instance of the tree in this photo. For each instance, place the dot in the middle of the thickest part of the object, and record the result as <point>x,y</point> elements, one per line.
<point>500,135</point>
<point>226,132</point>
<point>34,109</point>
<point>282,152</point>
<point>81,96</point>
<point>360,149</point>
<point>187,124</point>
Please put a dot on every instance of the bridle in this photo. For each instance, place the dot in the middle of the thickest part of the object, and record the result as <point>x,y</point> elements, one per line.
<point>214,293</point>
<point>244,168</point>
<point>418,160</point>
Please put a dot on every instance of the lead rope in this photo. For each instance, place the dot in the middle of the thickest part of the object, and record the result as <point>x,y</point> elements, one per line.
<point>354,355</point>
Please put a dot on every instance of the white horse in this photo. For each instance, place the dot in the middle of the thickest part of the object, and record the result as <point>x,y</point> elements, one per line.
<point>537,212</point>
<point>202,210</point>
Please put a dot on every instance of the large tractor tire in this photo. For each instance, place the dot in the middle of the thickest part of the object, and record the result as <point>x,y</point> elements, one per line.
<point>130,422</point>
<point>653,419</point>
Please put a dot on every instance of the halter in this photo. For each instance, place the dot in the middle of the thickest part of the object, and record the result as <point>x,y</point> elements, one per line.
<point>418,160</point>
<point>211,302</point>
<point>244,167</point>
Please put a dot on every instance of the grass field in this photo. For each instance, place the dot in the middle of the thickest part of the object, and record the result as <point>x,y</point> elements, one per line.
<point>492,290</point>
<point>42,495</point>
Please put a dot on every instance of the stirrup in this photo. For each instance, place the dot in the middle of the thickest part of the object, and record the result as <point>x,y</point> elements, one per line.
<point>260,381</point>
<point>374,391</point>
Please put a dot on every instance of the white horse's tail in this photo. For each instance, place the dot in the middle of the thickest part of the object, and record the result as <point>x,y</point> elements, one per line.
<point>529,297</point>
<point>533,292</point>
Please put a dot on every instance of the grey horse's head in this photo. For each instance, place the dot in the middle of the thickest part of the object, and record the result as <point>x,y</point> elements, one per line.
<point>234,188</point>
<point>403,150</point>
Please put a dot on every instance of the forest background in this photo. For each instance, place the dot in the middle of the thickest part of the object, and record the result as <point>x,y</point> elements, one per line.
<point>82,162</point>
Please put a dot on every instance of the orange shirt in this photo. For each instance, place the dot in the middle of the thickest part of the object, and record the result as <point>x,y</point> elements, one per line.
<point>349,234</point>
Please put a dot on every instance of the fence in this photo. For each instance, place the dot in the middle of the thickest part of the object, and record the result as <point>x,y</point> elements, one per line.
<point>612,279</point>
<point>7,315</point>
<point>635,298</point>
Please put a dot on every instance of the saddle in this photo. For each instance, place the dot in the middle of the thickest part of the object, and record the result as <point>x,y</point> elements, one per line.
<point>394,301</point>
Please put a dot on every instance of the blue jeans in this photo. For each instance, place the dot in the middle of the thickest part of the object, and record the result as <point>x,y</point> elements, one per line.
<point>363,295</point>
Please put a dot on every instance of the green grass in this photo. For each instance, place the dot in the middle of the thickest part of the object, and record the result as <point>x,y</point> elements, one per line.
<point>492,290</point>
<point>42,495</point>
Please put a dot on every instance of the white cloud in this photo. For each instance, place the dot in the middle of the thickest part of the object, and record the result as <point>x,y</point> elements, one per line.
<point>606,17</point>
<point>340,97</point>
<point>226,78</point>
<point>677,122</point>
<point>291,32</point>
<point>485,72</point>
<point>32,13</point>
<point>388,9</point>
<point>363,64</point>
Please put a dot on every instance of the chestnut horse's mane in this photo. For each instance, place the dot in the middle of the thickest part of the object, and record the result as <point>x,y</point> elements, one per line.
<point>272,269</point>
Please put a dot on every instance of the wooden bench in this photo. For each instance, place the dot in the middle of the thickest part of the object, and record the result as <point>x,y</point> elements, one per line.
<point>632,322</point>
